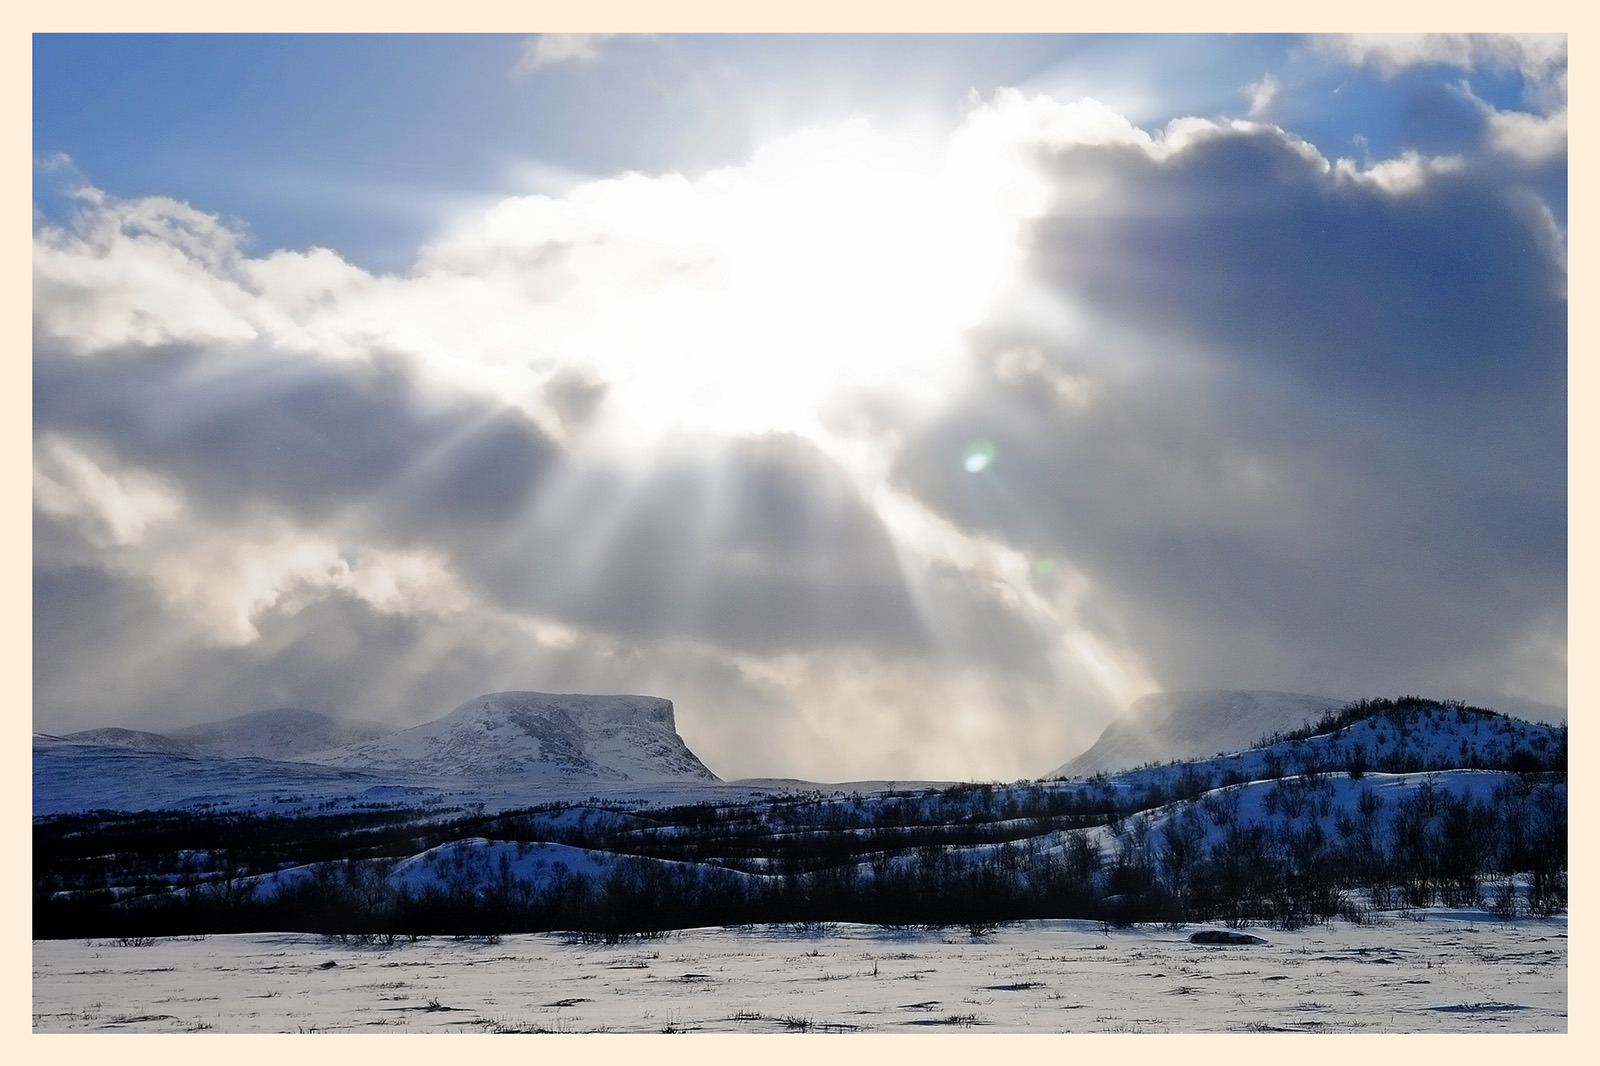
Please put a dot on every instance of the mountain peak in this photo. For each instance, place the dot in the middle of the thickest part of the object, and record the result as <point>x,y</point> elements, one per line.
<point>276,733</point>
<point>538,735</point>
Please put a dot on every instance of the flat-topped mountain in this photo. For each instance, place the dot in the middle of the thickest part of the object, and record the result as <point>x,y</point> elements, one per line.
<point>1164,726</point>
<point>536,736</point>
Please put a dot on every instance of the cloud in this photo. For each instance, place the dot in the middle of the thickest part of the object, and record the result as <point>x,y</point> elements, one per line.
<point>162,667</point>
<point>324,452</point>
<point>223,576</point>
<point>1312,429</point>
<point>1248,416</point>
<point>549,49</point>
<point>245,428</point>
<point>1532,137</point>
<point>1262,95</point>
<point>108,509</point>
<point>1535,55</point>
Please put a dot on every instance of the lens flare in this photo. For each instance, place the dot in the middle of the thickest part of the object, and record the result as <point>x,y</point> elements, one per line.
<point>980,455</point>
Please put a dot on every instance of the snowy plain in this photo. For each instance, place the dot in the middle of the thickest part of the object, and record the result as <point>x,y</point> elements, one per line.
<point>1429,971</point>
<point>1424,971</point>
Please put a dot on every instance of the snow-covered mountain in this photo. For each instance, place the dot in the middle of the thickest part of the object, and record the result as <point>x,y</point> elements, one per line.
<point>131,739</point>
<point>536,736</point>
<point>1164,726</point>
<point>278,733</point>
<point>1419,738</point>
<point>74,776</point>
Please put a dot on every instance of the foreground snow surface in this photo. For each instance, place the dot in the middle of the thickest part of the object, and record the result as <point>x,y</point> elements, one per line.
<point>1432,971</point>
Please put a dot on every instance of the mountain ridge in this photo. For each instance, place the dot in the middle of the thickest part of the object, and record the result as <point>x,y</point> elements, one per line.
<point>1164,726</point>
<point>536,735</point>
<point>275,733</point>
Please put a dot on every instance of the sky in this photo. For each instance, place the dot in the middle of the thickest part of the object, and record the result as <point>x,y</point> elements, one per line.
<point>898,406</point>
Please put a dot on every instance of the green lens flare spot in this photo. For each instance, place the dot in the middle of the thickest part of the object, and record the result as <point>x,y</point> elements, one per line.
<point>979,456</point>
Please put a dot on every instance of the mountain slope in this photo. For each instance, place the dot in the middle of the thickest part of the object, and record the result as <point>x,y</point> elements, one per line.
<point>131,739</point>
<point>537,736</point>
<point>74,777</point>
<point>1190,725</point>
<point>279,733</point>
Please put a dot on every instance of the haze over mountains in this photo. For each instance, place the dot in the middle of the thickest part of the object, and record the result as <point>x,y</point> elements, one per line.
<point>510,747</point>
<point>506,745</point>
<point>1164,726</point>
<point>277,733</point>
<point>1409,800</point>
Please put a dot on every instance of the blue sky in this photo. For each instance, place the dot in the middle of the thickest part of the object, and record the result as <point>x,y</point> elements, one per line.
<point>898,405</point>
<point>369,143</point>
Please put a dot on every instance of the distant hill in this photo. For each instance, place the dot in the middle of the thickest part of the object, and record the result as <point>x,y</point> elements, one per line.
<point>1164,726</point>
<point>1527,710</point>
<point>132,739</point>
<point>279,733</point>
<point>537,736</point>
<point>1378,804</point>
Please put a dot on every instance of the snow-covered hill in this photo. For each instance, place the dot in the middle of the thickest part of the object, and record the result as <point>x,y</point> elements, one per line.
<point>504,803</point>
<point>1164,726</point>
<point>538,736</point>
<point>279,733</point>
<point>131,739</point>
<point>71,776</point>
<point>503,750</point>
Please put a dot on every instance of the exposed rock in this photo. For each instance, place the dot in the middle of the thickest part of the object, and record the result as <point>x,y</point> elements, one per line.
<point>1223,936</point>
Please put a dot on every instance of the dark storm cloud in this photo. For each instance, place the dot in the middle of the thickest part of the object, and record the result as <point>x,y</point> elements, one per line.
<point>337,655</point>
<point>295,432</point>
<point>1442,118</point>
<point>1309,435</point>
<point>1240,243</point>
<point>758,544</point>
<point>1332,457</point>
<point>154,669</point>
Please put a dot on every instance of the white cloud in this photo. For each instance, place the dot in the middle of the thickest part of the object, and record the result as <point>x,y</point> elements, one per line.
<point>1262,95</point>
<point>1537,55</point>
<point>548,49</point>
<point>1405,174</point>
<point>56,163</point>
<point>1530,138</point>
<point>844,716</point>
<point>225,574</point>
<point>1028,366</point>
<point>760,298</point>
<point>1541,58</point>
<point>228,577</point>
<point>148,271</point>
<point>108,508</point>
<point>907,241</point>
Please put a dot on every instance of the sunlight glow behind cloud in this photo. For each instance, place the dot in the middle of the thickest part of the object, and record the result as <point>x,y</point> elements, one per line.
<point>889,449</point>
<point>838,261</point>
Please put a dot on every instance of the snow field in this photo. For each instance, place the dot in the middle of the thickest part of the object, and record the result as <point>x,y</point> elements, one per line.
<point>1433,971</point>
